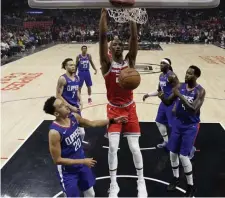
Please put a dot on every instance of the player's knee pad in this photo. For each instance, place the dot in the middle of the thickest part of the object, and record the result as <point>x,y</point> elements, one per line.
<point>113,142</point>
<point>89,193</point>
<point>133,142</point>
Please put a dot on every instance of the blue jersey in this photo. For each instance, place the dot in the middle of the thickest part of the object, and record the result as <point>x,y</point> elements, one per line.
<point>181,112</point>
<point>166,87</point>
<point>84,63</point>
<point>71,143</point>
<point>70,90</point>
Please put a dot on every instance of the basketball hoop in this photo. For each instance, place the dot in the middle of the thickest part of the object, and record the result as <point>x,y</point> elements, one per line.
<point>124,15</point>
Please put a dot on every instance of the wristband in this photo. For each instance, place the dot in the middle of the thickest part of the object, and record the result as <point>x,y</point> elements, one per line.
<point>112,121</point>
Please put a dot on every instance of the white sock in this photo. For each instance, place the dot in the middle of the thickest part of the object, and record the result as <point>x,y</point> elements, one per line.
<point>89,193</point>
<point>114,140</point>
<point>89,96</point>
<point>82,133</point>
<point>186,163</point>
<point>174,159</point>
<point>133,142</point>
<point>163,130</point>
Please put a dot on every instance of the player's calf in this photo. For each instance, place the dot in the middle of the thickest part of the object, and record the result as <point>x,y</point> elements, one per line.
<point>114,139</point>
<point>133,142</point>
<point>186,163</point>
<point>174,159</point>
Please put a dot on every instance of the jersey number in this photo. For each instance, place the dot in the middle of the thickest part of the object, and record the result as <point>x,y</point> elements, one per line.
<point>77,144</point>
<point>183,107</point>
<point>85,65</point>
<point>74,92</point>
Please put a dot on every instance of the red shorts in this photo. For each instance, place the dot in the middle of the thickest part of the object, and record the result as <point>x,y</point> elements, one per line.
<point>131,127</point>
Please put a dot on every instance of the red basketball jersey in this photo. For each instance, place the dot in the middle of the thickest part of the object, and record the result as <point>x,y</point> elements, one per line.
<point>115,94</point>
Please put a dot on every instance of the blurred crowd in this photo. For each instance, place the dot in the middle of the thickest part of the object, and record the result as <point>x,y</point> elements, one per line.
<point>26,29</point>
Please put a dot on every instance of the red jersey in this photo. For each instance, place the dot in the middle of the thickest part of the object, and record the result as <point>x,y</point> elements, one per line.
<point>115,94</point>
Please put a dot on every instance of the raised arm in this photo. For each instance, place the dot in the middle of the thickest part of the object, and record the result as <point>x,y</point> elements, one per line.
<point>103,43</point>
<point>55,151</point>
<point>99,123</point>
<point>133,45</point>
<point>59,90</point>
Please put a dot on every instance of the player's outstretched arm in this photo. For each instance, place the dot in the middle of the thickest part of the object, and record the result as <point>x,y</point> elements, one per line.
<point>55,150</point>
<point>152,94</point>
<point>133,45</point>
<point>99,123</point>
<point>197,103</point>
<point>59,90</point>
<point>103,44</point>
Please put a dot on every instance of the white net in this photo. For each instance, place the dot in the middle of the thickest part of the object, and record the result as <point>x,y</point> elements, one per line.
<point>124,15</point>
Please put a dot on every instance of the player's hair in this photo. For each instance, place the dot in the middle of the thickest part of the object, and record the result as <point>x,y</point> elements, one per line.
<point>65,62</point>
<point>48,106</point>
<point>197,71</point>
<point>170,67</point>
<point>84,46</point>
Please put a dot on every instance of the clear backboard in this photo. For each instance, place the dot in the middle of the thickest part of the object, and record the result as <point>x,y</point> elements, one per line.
<point>78,4</point>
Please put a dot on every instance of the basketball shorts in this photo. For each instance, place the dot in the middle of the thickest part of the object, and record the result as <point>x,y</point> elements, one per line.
<point>73,182</point>
<point>131,127</point>
<point>85,76</point>
<point>165,115</point>
<point>183,137</point>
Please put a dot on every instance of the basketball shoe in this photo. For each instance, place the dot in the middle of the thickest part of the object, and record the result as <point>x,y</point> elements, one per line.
<point>113,190</point>
<point>142,192</point>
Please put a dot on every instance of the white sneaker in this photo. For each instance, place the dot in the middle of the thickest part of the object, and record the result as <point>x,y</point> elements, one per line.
<point>142,192</point>
<point>113,190</point>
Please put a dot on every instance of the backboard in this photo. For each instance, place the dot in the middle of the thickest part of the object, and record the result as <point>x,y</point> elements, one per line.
<point>78,4</point>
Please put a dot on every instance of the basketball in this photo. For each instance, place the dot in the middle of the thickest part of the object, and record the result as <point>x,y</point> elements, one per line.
<point>129,79</point>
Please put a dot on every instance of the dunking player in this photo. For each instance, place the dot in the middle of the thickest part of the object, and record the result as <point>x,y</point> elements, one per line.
<point>83,62</point>
<point>188,97</point>
<point>164,115</point>
<point>66,148</point>
<point>120,103</point>
<point>68,89</point>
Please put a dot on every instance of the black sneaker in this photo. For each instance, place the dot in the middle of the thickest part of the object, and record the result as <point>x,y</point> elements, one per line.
<point>173,184</point>
<point>191,189</point>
